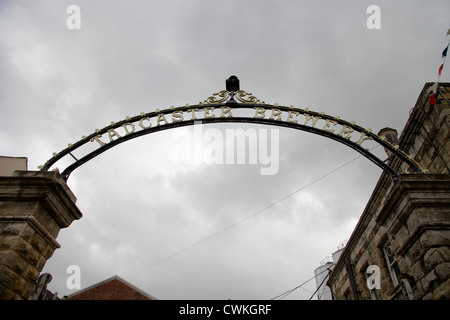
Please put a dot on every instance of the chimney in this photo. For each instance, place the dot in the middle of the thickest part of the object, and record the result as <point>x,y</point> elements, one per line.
<point>391,136</point>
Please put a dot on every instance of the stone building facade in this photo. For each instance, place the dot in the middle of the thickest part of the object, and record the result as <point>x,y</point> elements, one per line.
<point>34,206</point>
<point>403,235</point>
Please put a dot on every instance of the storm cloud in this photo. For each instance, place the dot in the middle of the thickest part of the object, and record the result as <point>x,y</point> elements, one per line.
<point>209,231</point>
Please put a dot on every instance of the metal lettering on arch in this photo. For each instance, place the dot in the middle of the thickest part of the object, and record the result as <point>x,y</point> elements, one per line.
<point>230,105</point>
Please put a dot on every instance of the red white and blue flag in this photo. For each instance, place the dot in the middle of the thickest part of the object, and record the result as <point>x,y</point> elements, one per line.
<point>434,90</point>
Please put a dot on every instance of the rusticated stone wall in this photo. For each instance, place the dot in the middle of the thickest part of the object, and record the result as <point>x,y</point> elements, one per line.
<point>412,215</point>
<point>34,206</point>
<point>415,220</point>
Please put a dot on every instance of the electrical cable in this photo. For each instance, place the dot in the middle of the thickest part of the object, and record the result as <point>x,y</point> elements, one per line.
<point>320,285</point>
<point>285,294</point>
<point>247,218</point>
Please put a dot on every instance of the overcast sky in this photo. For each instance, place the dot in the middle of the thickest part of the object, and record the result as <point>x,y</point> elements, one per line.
<point>179,230</point>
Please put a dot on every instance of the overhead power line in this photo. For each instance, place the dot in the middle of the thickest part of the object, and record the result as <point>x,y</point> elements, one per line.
<point>285,294</point>
<point>320,285</point>
<point>245,219</point>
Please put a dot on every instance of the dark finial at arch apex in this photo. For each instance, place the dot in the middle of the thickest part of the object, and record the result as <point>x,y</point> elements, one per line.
<point>232,84</point>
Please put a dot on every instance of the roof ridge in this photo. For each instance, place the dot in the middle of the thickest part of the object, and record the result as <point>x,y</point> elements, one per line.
<point>115,277</point>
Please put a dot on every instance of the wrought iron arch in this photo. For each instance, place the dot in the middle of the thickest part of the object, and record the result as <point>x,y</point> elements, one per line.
<point>222,107</point>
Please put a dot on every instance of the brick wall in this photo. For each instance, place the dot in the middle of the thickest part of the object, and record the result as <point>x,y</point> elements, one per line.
<point>113,289</point>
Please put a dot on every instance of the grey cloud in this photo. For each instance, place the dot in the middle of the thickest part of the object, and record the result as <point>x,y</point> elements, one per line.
<point>147,218</point>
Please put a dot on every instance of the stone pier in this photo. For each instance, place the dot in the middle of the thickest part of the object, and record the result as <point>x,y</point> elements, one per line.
<point>34,206</point>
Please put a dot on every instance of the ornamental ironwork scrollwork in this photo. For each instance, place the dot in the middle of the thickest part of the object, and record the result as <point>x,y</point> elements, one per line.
<point>246,97</point>
<point>281,116</point>
<point>223,96</point>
